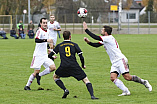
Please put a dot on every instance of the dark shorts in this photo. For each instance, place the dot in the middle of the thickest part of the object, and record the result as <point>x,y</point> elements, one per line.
<point>75,72</point>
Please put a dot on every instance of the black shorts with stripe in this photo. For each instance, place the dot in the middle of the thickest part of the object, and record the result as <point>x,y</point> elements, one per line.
<point>75,72</point>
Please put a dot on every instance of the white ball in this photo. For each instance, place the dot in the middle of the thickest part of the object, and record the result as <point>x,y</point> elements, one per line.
<point>82,12</point>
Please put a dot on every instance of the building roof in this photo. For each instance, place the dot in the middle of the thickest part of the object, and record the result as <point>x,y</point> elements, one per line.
<point>133,6</point>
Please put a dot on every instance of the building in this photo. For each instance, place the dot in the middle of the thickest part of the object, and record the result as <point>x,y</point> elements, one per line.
<point>131,14</point>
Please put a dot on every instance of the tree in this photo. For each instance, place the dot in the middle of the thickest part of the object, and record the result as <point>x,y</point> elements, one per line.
<point>48,4</point>
<point>149,12</point>
<point>146,2</point>
<point>16,7</point>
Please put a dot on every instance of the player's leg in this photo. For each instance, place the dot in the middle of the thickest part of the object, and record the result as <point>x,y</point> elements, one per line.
<point>48,70</point>
<point>119,84</point>
<point>138,80</point>
<point>116,69</point>
<point>89,87</point>
<point>54,41</point>
<point>31,78</point>
<point>50,67</point>
<point>61,85</point>
<point>36,65</point>
<point>124,67</point>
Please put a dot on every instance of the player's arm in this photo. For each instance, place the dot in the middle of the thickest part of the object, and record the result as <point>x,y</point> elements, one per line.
<point>40,40</point>
<point>54,51</point>
<point>92,44</point>
<point>81,59</point>
<point>79,52</point>
<point>37,40</point>
<point>90,33</point>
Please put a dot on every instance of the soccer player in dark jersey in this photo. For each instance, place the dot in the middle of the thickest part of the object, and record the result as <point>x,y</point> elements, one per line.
<point>69,66</point>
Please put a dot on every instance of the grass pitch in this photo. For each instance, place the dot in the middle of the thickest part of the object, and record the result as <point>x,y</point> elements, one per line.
<point>16,57</point>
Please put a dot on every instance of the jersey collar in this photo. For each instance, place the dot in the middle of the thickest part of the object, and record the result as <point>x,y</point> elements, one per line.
<point>51,22</point>
<point>43,29</point>
<point>66,40</point>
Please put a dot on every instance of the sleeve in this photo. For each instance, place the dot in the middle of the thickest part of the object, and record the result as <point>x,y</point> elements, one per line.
<point>58,25</point>
<point>17,26</point>
<point>95,44</point>
<point>40,40</point>
<point>38,34</point>
<point>93,35</point>
<point>81,59</point>
<point>56,49</point>
<point>78,50</point>
<point>105,38</point>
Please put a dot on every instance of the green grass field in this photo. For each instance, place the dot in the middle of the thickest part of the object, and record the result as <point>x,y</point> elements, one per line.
<point>16,57</point>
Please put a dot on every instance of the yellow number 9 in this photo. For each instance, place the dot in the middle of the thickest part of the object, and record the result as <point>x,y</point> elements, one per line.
<point>67,50</point>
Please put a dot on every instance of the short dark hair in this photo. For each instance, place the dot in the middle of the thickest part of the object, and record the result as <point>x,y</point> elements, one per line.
<point>42,19</point>
<point>66,35</point>
<point>108,29</point>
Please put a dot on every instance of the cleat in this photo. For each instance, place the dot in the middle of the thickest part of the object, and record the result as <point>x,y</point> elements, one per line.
<point>66,92</point>
<point>27,88</point>
<point>147,85</point>
<point>93,97</point>
<point>38,78</point>
<point>125,93</point>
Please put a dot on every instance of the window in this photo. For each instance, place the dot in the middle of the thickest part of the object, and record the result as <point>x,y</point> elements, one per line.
<point>131,15</point>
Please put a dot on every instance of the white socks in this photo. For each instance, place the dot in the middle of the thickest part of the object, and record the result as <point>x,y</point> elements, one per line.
<point>120,85</point>
<point>46,71</point>
<point>30,80</point>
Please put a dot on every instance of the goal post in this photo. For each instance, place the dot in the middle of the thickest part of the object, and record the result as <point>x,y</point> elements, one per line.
<point>6,21</point>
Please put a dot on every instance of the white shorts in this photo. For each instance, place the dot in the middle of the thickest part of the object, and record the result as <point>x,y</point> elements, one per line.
<point>37,62</point>
<point>54,40</point>
<point>120,66</point>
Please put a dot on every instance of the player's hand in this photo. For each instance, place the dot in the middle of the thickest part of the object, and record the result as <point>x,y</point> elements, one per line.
<point>50,40</point>
<point>85,25</point>
<point>54,29</point>
<point>86,40</point>
<point>84,67</point>
<point>54,57</point>
<point>49,51</point>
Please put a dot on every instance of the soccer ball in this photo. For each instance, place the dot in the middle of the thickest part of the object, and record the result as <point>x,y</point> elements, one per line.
<point>82,12</point>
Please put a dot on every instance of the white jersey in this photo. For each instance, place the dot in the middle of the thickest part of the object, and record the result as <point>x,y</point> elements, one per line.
<point>112,48</point>
<point>51,26</point>
<point>41,48</point>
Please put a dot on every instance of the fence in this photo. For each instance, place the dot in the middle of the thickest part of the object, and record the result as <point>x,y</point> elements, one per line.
<point>131,22</point>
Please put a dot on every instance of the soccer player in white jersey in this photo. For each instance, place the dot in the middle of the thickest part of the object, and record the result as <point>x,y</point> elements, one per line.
<point>118,60</point>
<point>40,56</point>
<point>53,27</point>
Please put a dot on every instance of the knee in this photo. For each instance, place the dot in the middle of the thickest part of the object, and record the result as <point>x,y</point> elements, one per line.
<point>86,80</point>
<point>54,77</point>
<point>52,68</point>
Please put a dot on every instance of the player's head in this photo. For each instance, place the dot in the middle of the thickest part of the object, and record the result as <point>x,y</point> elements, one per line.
<point>31,21</point>
<point>43,23</point>
<point>107,30</point>
<point>52,18</point>
<point>67,35</point>
<point>20,21</point>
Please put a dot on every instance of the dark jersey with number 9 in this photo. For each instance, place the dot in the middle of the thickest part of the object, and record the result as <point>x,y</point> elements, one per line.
<point>67,51</point>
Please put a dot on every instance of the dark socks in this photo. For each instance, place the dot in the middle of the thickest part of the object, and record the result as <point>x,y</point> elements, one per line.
<point>90,88</point>
<point>137,79</point>
<point>60,84</point>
